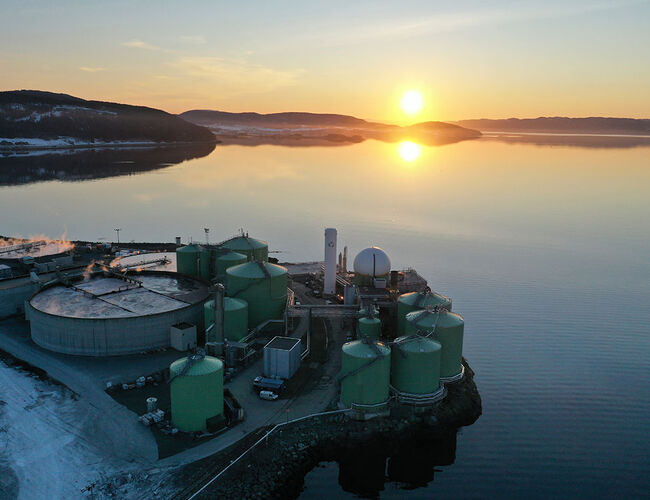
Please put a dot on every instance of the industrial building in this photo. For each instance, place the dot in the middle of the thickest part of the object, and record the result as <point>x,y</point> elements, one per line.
<point>227,306</point>
<point>26,265</point>
<point>282,357</point>
<point>113,314</point>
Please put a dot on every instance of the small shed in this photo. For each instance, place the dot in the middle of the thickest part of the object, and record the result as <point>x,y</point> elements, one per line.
<point>182,336</point>
<point>282,357</point>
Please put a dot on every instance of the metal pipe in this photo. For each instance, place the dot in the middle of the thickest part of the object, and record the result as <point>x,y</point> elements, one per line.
<point>219,313</point>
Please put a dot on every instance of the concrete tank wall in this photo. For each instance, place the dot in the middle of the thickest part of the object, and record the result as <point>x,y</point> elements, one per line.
<point>109,336</point>
<point>12,299</point>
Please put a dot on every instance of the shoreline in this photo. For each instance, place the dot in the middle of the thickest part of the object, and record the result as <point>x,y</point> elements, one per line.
<point>17,148</point>
<point>277,467</point>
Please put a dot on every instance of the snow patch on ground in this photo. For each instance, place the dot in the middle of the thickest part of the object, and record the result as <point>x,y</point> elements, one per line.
<point>55,111</point>
<point>44,440</point>
<point>63,142</point>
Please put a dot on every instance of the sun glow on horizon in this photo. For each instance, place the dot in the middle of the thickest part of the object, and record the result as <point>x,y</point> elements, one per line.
<point>409,151</point>
<point>412,102</point>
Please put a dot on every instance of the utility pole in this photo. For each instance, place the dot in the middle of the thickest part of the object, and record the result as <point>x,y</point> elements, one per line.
<point>117,230</point>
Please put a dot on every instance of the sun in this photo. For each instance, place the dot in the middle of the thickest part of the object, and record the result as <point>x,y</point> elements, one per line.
<point>409,151</point>
<point>412,102</point>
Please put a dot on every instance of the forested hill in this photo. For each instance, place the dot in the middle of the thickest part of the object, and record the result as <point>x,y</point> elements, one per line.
<point>563,125</point>
<point>45,115</point>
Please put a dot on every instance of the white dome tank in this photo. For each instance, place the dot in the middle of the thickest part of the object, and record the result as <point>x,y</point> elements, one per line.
<point>372,261</point>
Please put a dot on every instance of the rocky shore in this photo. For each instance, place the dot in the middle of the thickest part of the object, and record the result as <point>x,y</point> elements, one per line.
<point>276,468</point>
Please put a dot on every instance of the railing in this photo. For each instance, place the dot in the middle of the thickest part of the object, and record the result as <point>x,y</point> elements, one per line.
<point>265,436</point>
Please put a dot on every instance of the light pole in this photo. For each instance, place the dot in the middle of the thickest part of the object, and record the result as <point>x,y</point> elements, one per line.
<point>117,230</point>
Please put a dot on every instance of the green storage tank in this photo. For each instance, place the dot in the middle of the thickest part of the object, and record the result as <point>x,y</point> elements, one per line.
<point>193,260</point>
<point>447,328</point>
<point>415,365</point>
<point>197,394</point>
<point>370,327</point>
<point>253,249</point>
<point>263,286</point>
<point>417,301</point>
<point>224,261</point>
<point>235,317</point>
<point>368,366</point>
<point>187,258</point>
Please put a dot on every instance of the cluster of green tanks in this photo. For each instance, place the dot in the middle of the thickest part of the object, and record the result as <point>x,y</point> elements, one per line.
<point>427,351</point>
<point>212,262</point>
<point>253,285</point>
<point>256,291</point>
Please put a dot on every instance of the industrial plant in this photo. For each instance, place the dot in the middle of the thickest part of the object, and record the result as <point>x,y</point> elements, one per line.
<point>223,333</point>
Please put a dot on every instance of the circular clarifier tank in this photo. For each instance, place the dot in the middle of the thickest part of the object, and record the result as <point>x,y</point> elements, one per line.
<point>38,249</point>
<point>108,315</point>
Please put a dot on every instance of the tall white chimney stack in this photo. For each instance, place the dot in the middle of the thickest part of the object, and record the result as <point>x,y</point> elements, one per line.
<point>329,287</point>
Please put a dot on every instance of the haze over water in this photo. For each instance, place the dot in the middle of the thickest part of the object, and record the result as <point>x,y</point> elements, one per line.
<point>544,250</point>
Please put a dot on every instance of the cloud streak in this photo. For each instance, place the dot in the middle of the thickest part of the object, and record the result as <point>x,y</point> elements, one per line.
<point>447,22</point>
<point>91,69</point>
<point>234,76</point>
<point>139,44</point>
<point>193,40</point>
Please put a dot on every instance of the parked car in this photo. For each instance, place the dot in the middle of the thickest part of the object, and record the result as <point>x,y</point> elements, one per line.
<point>268,395</point>
<point>274,385</point>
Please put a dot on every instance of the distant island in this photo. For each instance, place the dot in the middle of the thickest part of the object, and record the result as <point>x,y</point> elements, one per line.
<point>37,120</point>
<point>293,128</point>
<point>31,119</point>
<point>562,125</point>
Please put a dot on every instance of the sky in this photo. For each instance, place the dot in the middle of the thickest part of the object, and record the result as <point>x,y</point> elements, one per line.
<point>469,59</point>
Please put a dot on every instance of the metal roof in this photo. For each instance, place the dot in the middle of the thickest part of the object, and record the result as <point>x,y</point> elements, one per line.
<point>256,270</point>
<point>282,343</point>
<point>200,367</point>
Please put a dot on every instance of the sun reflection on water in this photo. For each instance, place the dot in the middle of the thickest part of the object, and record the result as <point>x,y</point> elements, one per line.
<point>409,151</point>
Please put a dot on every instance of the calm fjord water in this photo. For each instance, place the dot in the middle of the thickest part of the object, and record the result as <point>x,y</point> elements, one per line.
<point>545,251</point>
